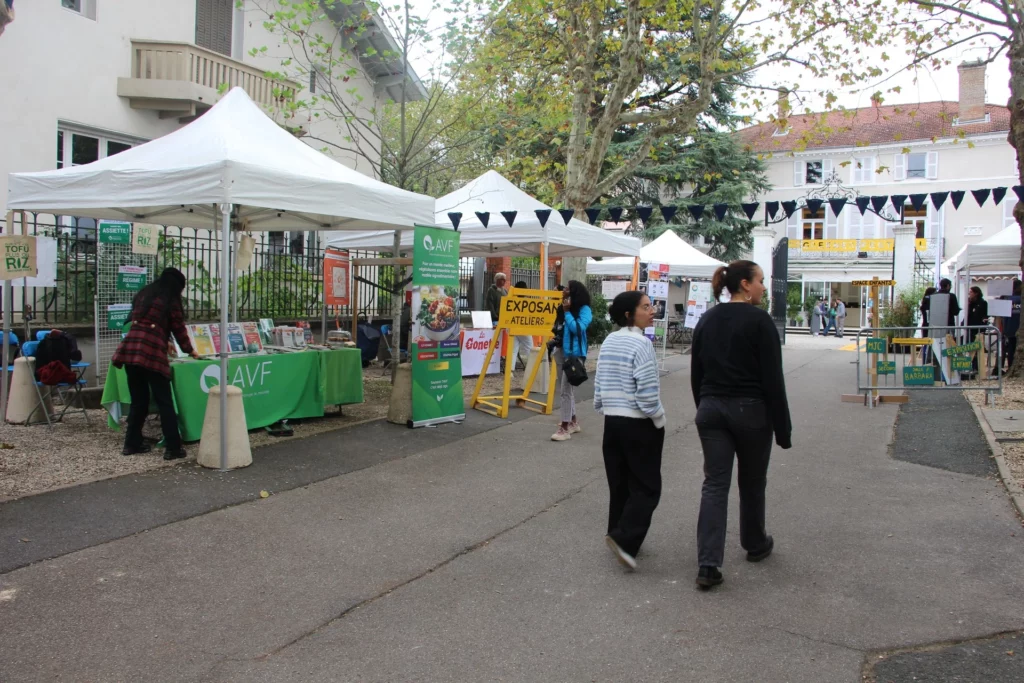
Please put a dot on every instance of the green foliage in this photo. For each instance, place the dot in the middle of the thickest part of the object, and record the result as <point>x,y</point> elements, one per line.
<point>201,287</point>
<point>903,312</point>
<point>793,304</point>
<point>279,289</point>
<point>601,326</point>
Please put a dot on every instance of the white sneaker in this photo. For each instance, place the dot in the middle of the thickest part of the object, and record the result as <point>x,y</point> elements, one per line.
<point>561,435</point>
<point>621,555</point>
<point>574,428</point>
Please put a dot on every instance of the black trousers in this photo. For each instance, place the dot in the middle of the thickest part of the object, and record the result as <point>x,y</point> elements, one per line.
<point>732,427</point>
<point>142,384</point>
<point>632,461</point>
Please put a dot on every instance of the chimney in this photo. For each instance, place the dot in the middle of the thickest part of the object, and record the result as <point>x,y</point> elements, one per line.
<point>783,104</point>
<point>972,91</point>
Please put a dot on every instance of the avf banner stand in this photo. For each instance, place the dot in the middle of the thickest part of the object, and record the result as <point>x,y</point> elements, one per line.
<point>436,347</point>
<point>524,312</point>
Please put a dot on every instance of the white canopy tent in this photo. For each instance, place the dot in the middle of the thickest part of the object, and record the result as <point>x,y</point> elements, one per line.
<point>233,163</point>
<point>683,260</point>
<point>493,193</point>
<point>997,255</point>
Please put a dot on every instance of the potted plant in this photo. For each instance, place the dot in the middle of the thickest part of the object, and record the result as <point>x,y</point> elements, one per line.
<point>902,314</point>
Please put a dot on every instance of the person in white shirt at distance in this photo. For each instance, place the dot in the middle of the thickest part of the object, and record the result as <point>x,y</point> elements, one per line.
<point>627,392</point>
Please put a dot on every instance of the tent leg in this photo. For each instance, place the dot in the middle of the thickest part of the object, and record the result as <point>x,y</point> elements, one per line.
<point>543,265</point>
<point>225,225</point>
<point>8,301</point>
<point>397,301</point>
<point>234,276</point>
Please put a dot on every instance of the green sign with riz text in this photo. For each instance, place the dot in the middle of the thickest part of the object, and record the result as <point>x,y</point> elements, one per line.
<point>115,232</point>
<point>918,375</point>
<point>886,367</point>
<point>435,344</point>
<point>875,345</point>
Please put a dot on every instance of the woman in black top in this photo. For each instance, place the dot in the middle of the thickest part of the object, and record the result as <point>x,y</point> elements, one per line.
<point>737,382</point>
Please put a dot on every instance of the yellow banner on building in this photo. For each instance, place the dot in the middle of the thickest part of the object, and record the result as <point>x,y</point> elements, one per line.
<point>852,245</point>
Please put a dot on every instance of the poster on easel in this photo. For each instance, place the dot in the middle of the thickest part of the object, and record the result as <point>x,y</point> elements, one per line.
<point>336,277</point>
<point>435,341</point>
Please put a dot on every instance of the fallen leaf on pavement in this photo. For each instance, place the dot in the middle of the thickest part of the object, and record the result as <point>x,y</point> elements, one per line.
<point>264,494</point>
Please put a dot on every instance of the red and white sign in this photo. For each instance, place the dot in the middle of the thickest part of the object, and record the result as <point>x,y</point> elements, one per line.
<point>474,350</point>
<point>657,271</point>
<point>336,268</point>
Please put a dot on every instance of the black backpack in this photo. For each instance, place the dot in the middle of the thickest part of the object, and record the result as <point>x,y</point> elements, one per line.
<point>55,346</point>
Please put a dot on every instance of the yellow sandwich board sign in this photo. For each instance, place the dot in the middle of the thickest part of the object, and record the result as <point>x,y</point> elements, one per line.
<point>524,312</point>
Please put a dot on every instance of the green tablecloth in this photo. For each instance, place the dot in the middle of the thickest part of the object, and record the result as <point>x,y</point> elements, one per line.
<point>274,387</point>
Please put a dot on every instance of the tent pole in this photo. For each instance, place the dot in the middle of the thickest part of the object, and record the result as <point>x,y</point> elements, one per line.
<point>234,276</point>
<point>225,225</point>
<point>634,281</point>
<point>397,301</point>
<point>8,319</point>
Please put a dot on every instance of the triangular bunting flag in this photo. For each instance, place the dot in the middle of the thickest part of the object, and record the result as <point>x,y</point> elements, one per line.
<point>878,203</point>
<point>543,215</point>
<point>616,213</point>
<point>898,201</point>
<point>813,205</point>
<point>938,199</point>
<point>668,213</point>
<point>1019,191</point>
<point>644,212</point>
<point>750,209</point>
<point>720,211</point>
<point>455,217</point>
<point>997,194</point>
<point>772,208</point>
<point>566,215</point>
<point>484,217</point>
<point>696,210</point>
<point>956,197</point>
<point>789,208</point>
<point>980,196</point>
<point>510,217</point>
<point>837,205</point>
<point>592,214</point>
<point>862,204</point>
<point>917,201</point>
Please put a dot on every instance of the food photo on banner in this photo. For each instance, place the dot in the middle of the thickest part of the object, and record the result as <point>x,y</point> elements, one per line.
<point>436,343</point>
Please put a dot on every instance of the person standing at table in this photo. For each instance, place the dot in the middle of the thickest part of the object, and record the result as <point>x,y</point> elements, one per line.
<point>738,386</point>
<point>157,314</point>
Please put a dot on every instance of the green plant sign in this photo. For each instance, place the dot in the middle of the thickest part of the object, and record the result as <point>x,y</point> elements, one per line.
<point>919,375</point>
<point>130,278</point>
<point>961,363</point>
<point>886,367</point>
<point>115,232</point>
<point>962,350</point>
<point>117,315</point>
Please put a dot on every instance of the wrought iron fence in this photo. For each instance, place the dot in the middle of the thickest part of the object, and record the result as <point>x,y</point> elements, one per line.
<point>284,281</point>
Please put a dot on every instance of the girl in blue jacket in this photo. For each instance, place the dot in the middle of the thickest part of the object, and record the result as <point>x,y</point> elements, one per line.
<point>576,308</point>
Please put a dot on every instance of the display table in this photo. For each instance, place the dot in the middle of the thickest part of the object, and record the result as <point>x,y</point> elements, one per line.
<point>274,387</point>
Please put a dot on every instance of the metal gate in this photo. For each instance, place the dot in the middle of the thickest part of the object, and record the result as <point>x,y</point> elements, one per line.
<point>780,286</point>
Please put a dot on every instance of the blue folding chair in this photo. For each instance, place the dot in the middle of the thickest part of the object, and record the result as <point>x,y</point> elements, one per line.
<point>64,391</point>
<point>14,346</point>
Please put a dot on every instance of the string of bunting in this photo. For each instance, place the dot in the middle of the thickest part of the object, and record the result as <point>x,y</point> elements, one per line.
<point>772,209</point>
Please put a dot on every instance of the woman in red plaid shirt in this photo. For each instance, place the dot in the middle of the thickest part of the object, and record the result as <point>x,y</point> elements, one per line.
<point>156,315</point>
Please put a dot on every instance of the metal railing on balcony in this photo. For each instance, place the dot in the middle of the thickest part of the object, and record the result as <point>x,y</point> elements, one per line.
<point>165,72</point>
<point>878,249</point>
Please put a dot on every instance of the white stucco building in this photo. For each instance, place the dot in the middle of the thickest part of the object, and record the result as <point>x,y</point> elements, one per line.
<point>84,79</point>
<point>886,150</point>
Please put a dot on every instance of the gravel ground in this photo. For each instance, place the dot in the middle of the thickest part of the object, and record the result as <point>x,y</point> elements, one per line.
<point>1012,399</point>
<point>36,459</point>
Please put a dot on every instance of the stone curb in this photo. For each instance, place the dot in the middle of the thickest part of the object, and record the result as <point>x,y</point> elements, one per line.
<point>1012,488</point>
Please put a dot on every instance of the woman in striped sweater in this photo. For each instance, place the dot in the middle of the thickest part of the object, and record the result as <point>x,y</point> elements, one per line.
<point>627,392</point>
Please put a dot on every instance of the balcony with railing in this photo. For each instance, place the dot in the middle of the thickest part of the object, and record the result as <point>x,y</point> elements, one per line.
<point>181,80</point>
<point>845,250</point>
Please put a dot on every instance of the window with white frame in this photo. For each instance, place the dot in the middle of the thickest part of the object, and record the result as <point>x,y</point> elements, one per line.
<point>918,218</point>
<point>811,172</point>
<point>813,225</point>
<point>860,227</point>
<point>916,166</point>
<point>77,146</point>
<point>862,170</point>
<point>87,8</point>
<point>1008,204</point>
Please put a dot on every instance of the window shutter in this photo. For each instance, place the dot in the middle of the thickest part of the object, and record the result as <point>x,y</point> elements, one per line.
<point>935,218</point>
<point>1008,205</point>
<point>214,19</point>
<point>932,166</point>
<point>793,225</point>
<point>899,167</point>
<point>799,172</point>
<point>831,224</point>
<point>869,226</point>
<point>826,170</point>
<point>868,170</point>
